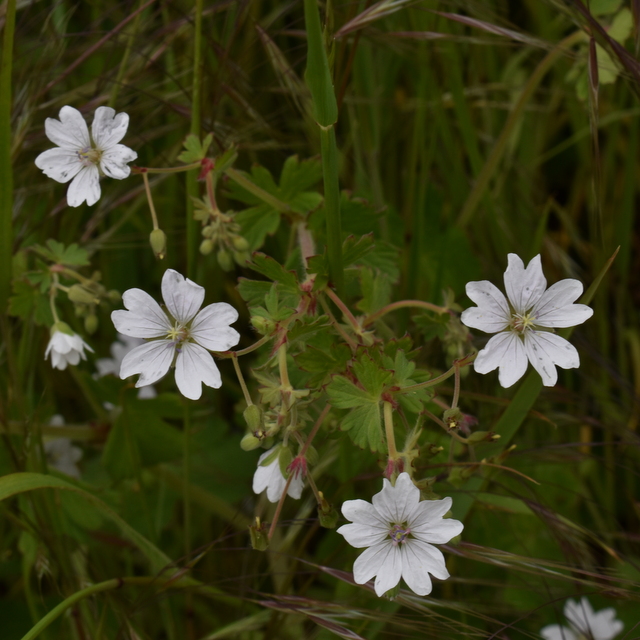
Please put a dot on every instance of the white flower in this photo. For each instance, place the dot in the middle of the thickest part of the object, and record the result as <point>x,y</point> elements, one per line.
<point>61,453</point>
<point>268,476</point>
<point>83,158</point>
<point>65,346</point>
<point>119,350</point>
<point>584,623</point>
<point>521,322</point>
<point>183,335</point>
<point>399,531</point>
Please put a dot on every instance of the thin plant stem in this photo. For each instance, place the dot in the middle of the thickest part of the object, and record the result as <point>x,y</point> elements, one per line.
<point>147,188</point>
<point>276,515</point>
<point>243,352</point>
<point>388,428</point>
<point>343,307</point>
<point>401,304</point>
<point>243,384</point>
<point>167,170</point>
<point>315,428</point>
<point>456,388</point>
<point>348,339</point>
<point>447,374</point>
<point>265,196</point>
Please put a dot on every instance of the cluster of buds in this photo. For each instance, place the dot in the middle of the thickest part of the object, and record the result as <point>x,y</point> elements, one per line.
<point>87,295</point>
<point>221,233</point>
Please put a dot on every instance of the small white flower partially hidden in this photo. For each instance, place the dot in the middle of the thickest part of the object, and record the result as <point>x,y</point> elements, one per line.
<point>119,350</point>
<point>83,158</point>
<point>65,346</point>
<point>180,335</point>
<point>268,476</point>
<point>524,323</point>
<point>400,532</point>
<point>584,623</point>
<point>61,453</point>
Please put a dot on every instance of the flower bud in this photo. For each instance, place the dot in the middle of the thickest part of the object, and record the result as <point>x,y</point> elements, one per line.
<point>253,417</point>
<point>206,247</point>
<point>240,243</point>
<point>91,323</point>
<point>225,260</point>
<point>249,442</point>
<point>158,241</point>
<point>259,535</point>
<point>262,325</point>
<point>327,514</point>
<point>78,293</point>
<point>208,231</point>
<point>483,436</point>
<point>114,296</point>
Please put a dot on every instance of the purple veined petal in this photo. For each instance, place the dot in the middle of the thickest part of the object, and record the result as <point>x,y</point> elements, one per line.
<point>144,318</point>
<point>490,301</point>
<point>555,308</point>
<point>545,350</point>
<point>524,286</point>
<point>85,186</point>
<point>195,366</point>
<point>182,296</point>
<point>369,562</point>
<point>397,503</point>
<point>70,132</point>
<point>362,535</point>
<point>415,572</point>
<point>506,352</point>
<point>557,632</point>
<point>362,512</point>
<point>390,572</point>
<point>107,128</point>
<point>151,360</point>
<point>211,329</point>
<point>59,164</point>
<point>114,161</point>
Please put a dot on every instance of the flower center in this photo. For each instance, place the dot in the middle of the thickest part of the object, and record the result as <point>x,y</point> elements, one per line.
<point>179,334</point>
<point>399,533</point>
<point>520,322</point>
<point>89,156</point>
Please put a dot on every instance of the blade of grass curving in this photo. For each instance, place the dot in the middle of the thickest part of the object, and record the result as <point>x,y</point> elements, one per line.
<point>325,110</point>
<point>6,166</point>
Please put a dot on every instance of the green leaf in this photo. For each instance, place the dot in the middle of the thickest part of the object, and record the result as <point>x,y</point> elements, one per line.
<point>257,223</point>
<point>141,436</point>
<point>253,292</point>
<point>297,176</point>
<point>28,302</point>
<point>268,267</point>
<point>344,394</point>
<point>194,149</point>
<point>376,290</point>
<point>364,426</point>
<point>323,358</point>
<point>305,327</point>
<point>73,255</point>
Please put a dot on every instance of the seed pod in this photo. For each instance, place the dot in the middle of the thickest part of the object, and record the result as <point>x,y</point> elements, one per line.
<point>253,417</point>
<point>258,532</point>
<point>206,247</point>
<point>78,293</point>
<point>225,260</point>
<point>249,442</point>
<point>158,241</point>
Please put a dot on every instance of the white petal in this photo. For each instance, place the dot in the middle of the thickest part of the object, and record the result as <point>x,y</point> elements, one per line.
<point>108,128</point>
<point>211,329</point>
<point>397,503</point>
<point>151,361</point>
<point>114,161</point>
<point>439,532</point>
<point>545,350</point>
<point>195,366</point>
<point>415,571</point>
<point>431,558</point>
<point>85,186</point>
<point>58,361</point>
<point>370,561</point>
<point>390,572</point>
<point>295,487</point>
<point>362,512</point>
<point>492,313</point>
<point>71,132</point>
<point>361,535</point>
<point>556,632</point>
<point>270,478</point>
<point>429,511</point>
<point>182,297</point>
<point>506,351</point>
<point>554,309</point>
<point>144,318</point>
<point>524,286</point>
<point>59,164</point>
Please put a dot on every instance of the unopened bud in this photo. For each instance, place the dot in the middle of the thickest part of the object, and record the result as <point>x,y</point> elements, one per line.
<point>259,534</point>
<point>240,243</point>
<point>253,417</point>
<point>225,260</point>
<point>91,323</point>
<point>206,247</point>
<point>249,442</point>
<point>241,257</point>
<point>114,296</point>
<point>208,231</point>
<point>262,325</point>
<point>327,514</point>
<point>78,293</point>
<point>158,241</point>
<point>483,436</point>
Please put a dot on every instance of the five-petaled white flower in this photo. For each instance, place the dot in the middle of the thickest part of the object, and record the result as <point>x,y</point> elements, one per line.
<point>85,158</point>
<point>523,321</point>
<point>65,346</point>
<point>268,476</point>
<point>400,532</point>
<point>183,335</point>
<point>584,623</point>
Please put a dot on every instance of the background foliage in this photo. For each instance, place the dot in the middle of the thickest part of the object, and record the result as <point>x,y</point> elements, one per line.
<point>466,130</point>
